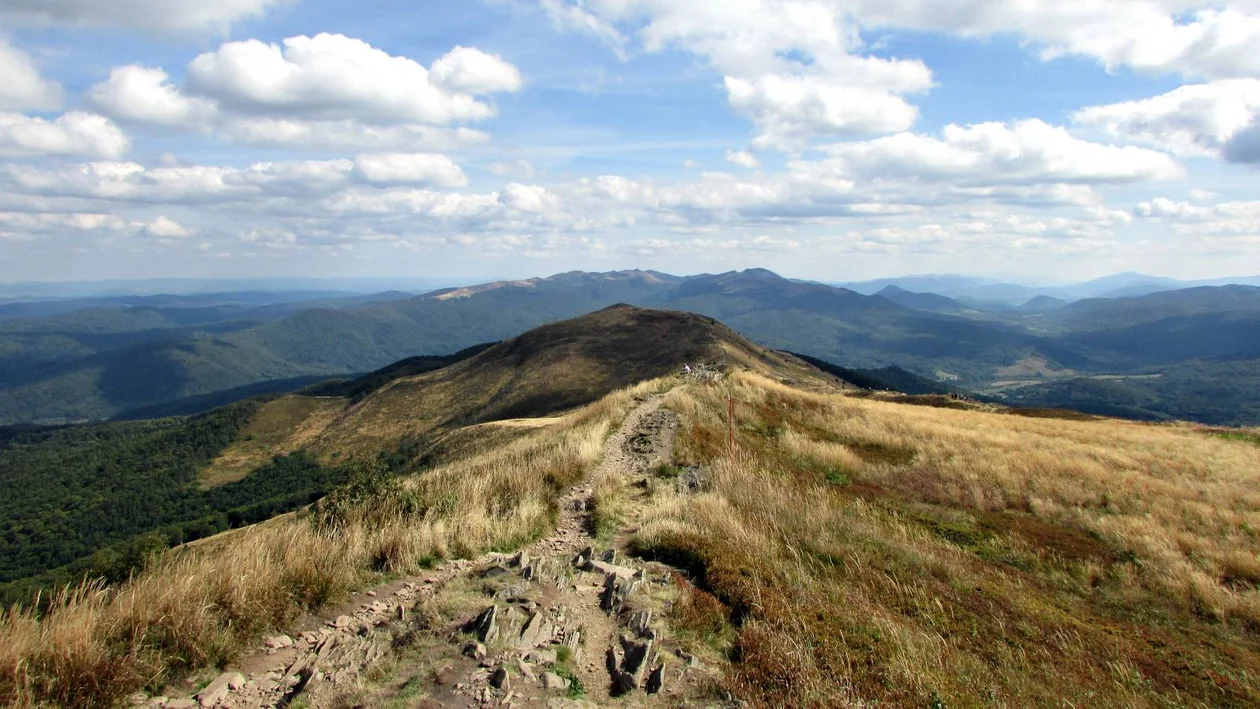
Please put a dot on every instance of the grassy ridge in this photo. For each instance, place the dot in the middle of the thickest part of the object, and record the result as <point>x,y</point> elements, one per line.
<point>871,552</point>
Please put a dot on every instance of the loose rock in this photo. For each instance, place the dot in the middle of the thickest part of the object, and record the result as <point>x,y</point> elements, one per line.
<point>217,691</point>
<point>551,680</point>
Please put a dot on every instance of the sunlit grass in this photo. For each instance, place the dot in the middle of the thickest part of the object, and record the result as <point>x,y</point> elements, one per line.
<point>886,553</point>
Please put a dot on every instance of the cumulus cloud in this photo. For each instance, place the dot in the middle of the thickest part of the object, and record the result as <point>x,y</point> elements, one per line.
<point>743,159</point>
<point>23,89</point>
<point>420,168</point>
<point>1025,152</point>
<point>335,77</point>
<point>1228,220</point>
<point>1193,120</point>
<point>144,95</point>
<point>790,110</point>
<point>75,133</point>
<point>1196,38</point>
<point>151,15</point>
<point>322,92</point>
<point>470,70</point>
<point>166,228</point>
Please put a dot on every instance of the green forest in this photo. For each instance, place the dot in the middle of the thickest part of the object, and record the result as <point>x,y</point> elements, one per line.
<point>95,499</point>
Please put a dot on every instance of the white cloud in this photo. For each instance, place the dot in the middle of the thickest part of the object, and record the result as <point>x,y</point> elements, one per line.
<point>153,15</point>
<point>743,159</point>
<point>1199,38</point>
<point>23,89</point>
<point>334,77</point>
<point>419,168</point>
<point>166,228</point>
<point>75,133</point>
<point>1193,120</point>
<point>528,198</point>
<point>790,109</point>
<point>144,95</point>
<point>470,70</point>
<point>326,92</point>
<point>1022,153</point>
<point>1229,220</point>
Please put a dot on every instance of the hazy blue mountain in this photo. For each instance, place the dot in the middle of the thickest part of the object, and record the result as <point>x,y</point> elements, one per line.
<point>99,362</point>
<point>986,293</point>
<point>930,302</point>
<point>1042,303</point>
<point>37,290</point>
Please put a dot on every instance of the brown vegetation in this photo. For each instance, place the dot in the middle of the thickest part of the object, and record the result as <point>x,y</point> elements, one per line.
<point>1008,561</point>
<point>279,427</point>
<point>201,606</point>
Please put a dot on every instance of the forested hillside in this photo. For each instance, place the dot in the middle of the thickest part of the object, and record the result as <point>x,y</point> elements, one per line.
<point>95,498</point>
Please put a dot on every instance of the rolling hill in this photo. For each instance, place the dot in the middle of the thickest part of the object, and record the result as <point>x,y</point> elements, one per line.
<point>118,485</point>
<point>85,375</point>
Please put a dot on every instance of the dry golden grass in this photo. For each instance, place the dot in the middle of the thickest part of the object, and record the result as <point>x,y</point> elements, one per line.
<point>199,606</point>
<point>279,427</point>
<point>876,552</point>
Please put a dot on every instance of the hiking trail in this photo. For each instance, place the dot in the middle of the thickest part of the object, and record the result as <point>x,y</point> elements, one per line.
<point>557,624</point>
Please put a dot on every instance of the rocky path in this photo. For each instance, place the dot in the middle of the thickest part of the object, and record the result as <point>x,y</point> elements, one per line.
<point>560,623</point>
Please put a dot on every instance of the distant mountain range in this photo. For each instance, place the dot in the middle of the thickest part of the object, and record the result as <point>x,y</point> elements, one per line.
<point>991,293</point>
<point>113,358</point>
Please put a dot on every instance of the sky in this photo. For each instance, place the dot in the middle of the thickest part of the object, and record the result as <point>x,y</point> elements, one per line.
<point>1042,140</point>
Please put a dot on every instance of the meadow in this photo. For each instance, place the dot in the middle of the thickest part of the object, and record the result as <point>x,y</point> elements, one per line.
<point>866,552</point>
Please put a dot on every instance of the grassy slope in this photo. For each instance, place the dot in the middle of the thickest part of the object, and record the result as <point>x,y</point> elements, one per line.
<point>278,427</point>
<point>913,556</point>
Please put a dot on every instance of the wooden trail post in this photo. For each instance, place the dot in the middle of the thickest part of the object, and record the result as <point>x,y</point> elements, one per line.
<point>730,425</point>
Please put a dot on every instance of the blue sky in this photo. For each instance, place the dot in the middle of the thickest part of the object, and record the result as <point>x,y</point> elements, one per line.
<point>826,139</point>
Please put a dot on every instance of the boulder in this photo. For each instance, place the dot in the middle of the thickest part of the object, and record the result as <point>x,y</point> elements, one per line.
<point>500,679</point>
<point>487,625</point>
<point>606,568</point>
<point>551,680</point>
<point>279,642</point>
<point>656,680</point>
<point>217,691</point>
<point>536,632</point>
<point>527,671</point>
<point>476,651</point>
